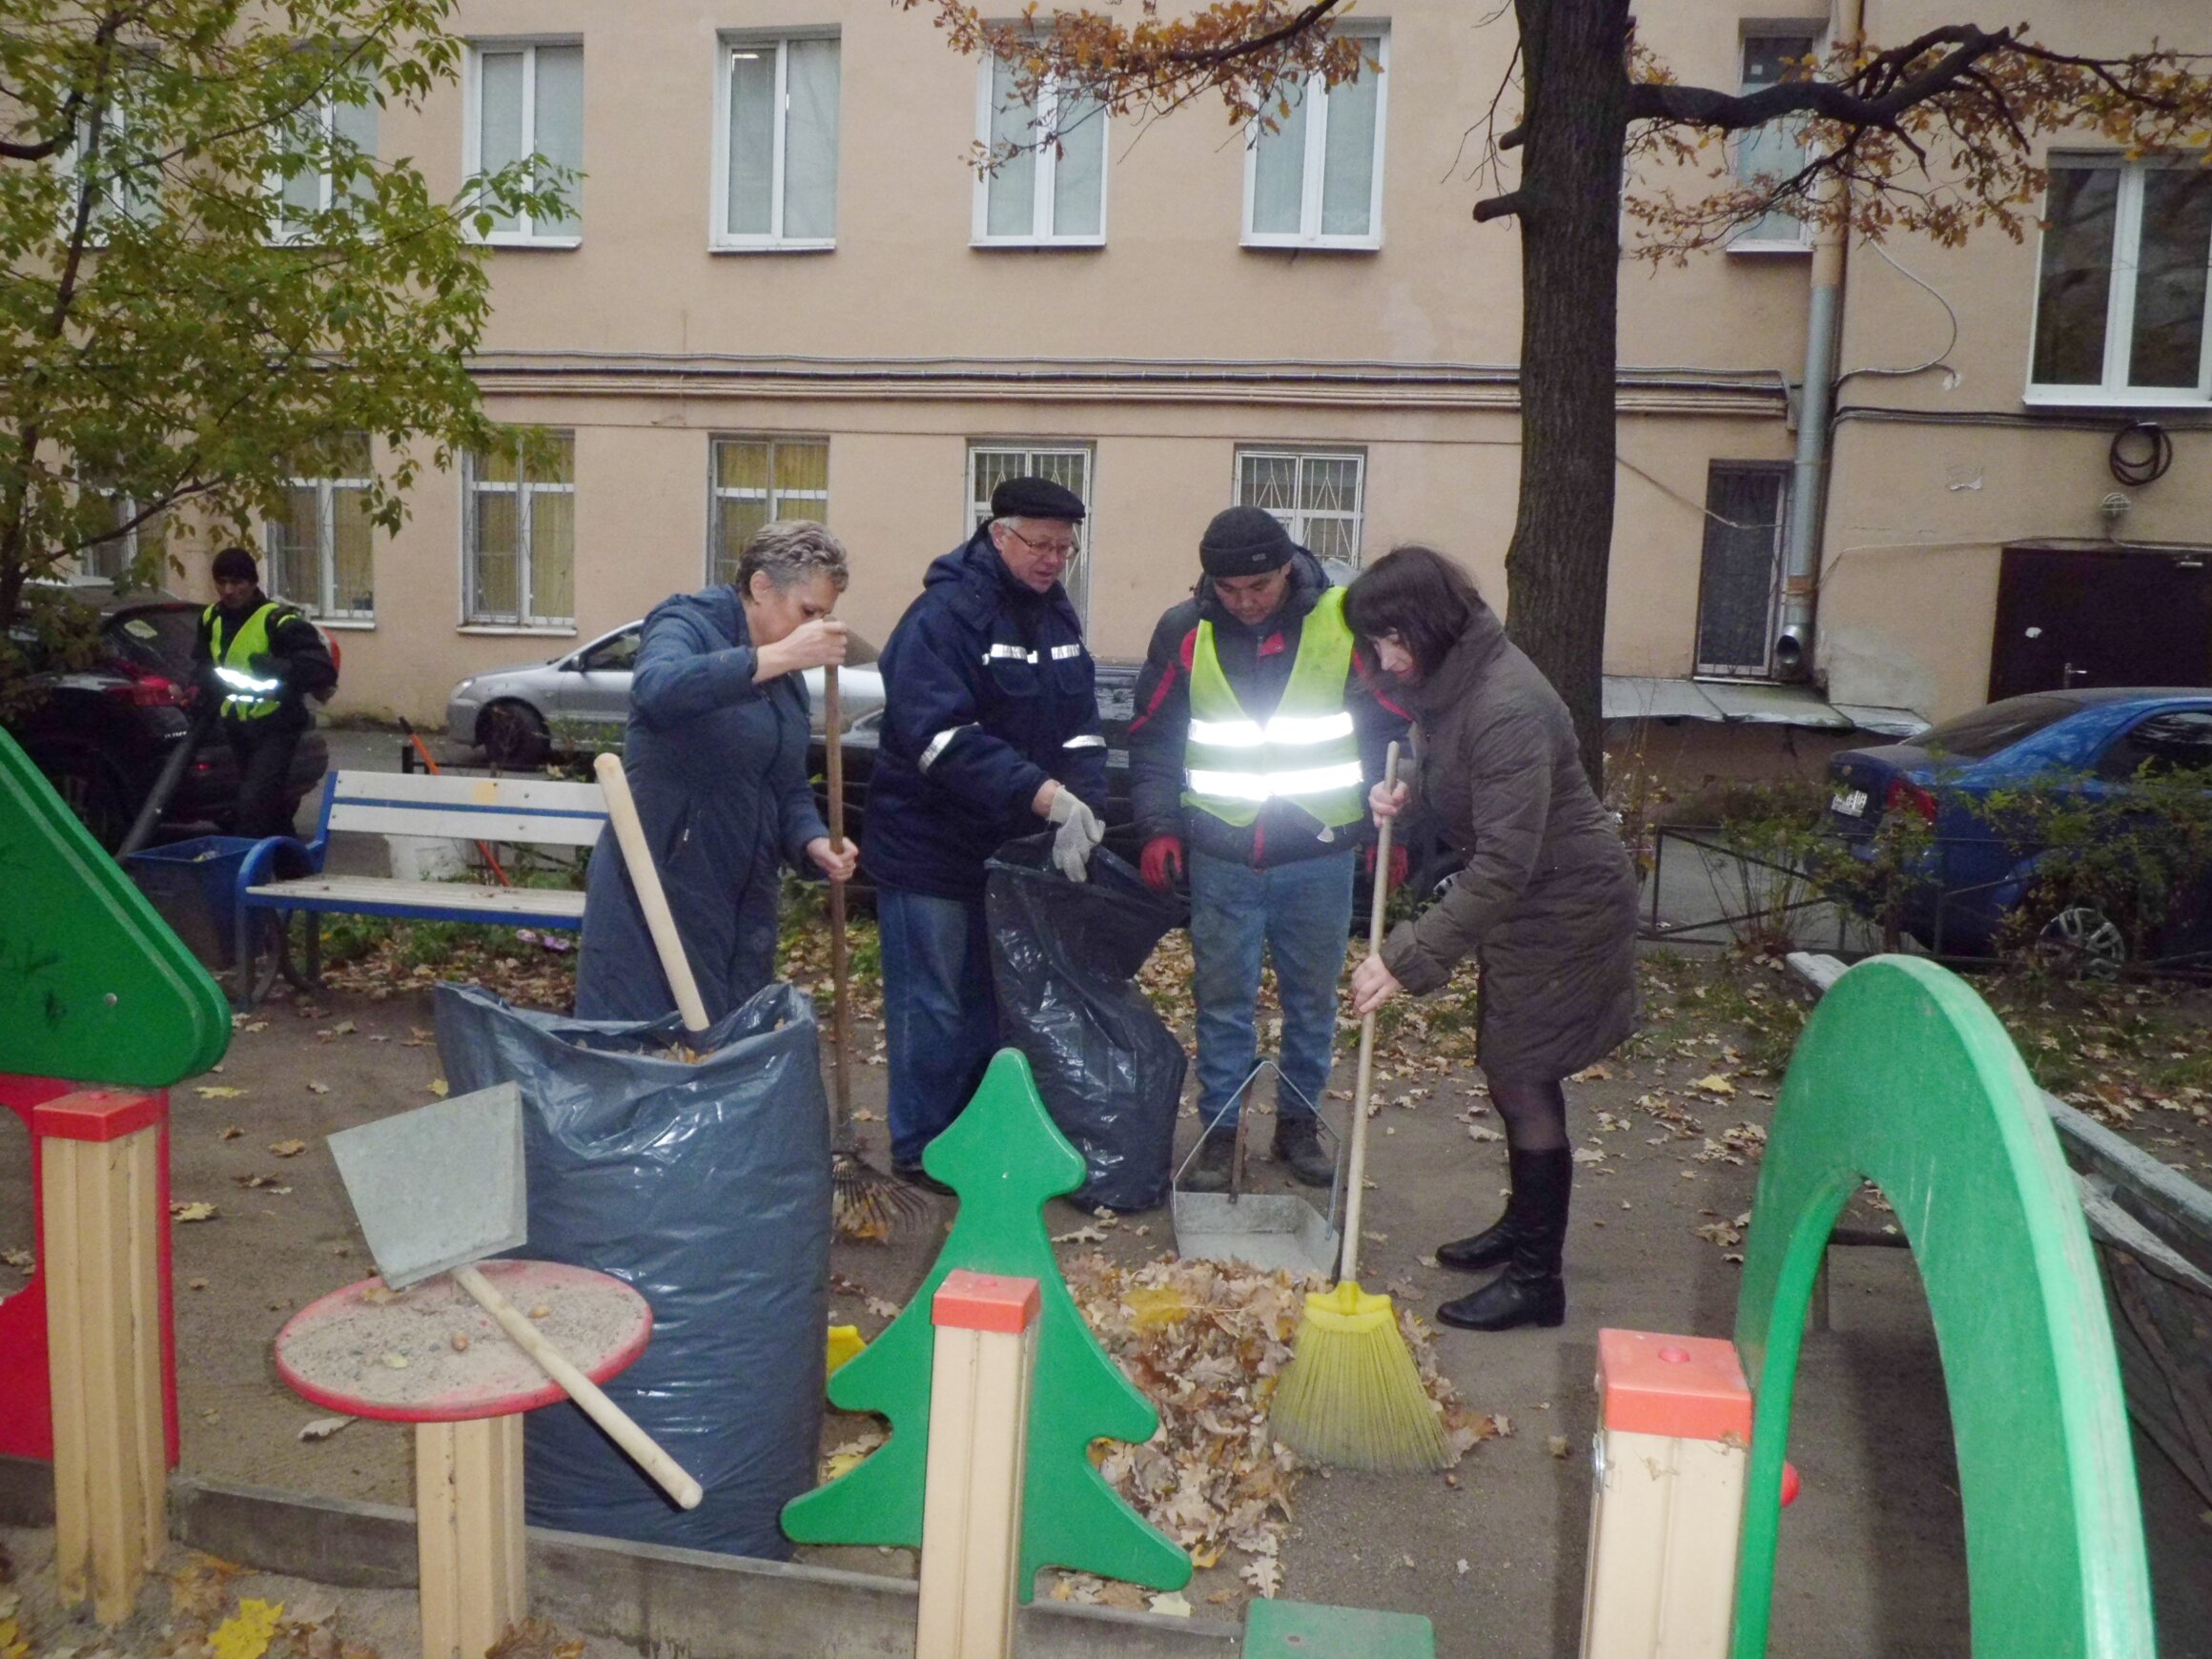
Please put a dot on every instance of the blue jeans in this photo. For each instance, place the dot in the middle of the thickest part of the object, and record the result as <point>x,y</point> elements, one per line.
<point>1300,915</point>
<point>940,1016</point>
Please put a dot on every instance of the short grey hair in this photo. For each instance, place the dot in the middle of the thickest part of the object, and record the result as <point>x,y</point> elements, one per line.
<point>790,551</point>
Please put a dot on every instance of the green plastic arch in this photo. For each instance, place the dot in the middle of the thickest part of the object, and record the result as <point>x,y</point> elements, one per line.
<point>1904,1077</point>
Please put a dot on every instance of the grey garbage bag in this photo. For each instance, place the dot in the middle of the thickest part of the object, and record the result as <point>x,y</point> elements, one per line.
<point>1064,955</point>
<point>707,1187</point>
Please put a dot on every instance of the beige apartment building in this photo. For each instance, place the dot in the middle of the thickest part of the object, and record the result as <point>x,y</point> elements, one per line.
<point>784,290</point>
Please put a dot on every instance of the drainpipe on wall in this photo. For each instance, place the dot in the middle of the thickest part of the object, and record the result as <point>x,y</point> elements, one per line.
<point>1815,402</point>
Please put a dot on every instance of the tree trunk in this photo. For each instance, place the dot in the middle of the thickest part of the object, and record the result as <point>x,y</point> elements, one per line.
<point>1574,124</point>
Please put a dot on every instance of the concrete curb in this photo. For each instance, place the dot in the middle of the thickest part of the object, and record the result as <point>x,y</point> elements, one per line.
<point>656,1600</point>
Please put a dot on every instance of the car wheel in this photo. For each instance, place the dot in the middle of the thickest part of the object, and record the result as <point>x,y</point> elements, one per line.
<point>2084,942</point>
<point>512,735</point>
<point>91,789</point>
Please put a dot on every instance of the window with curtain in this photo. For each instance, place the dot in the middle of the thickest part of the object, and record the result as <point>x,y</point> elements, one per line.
<point>757,480</point>
<point>319,547</point>
<point>778,152</point>
<point>529,104</point>
<point>1050,185</point>
<point>1316,181</point>
<point>1317,495</point>
<point>991,463</point>
<point>1767,155</point>
<point>329,126</point>
<point>519,533</point>
<point>2120,294</point>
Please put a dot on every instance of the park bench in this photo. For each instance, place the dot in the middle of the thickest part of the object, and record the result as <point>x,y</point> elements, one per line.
<point>282,878</point>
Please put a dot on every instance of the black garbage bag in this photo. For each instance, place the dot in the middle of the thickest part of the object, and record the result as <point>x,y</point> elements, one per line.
<point>1064,955</point>
<point>707,1188</point>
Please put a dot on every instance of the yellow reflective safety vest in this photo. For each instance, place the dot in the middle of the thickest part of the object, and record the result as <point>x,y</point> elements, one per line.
<point>246,695</point>
<point>1306,753</point>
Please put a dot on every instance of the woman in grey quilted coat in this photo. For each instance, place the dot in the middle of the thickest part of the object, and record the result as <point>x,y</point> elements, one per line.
<point>1545,902</point>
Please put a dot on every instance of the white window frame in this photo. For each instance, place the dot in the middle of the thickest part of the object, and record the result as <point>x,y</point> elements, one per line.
<point>1030,449</point>
<point>524,235</point>
<point>717,492</point>
<point>1816,33</point>
<point>720,238</point>
<point>1300,516</point>
<point>283,232</point>
<point>322,602</point>
<point>1374,37</point>
<point>124,549</point>
<point>1044,176</point>
<point>525,616</point>
<point>2113,390</point>
<point>123,201</point>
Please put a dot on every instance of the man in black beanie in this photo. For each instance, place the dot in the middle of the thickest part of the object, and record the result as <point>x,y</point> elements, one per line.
<point>1257,735</point>
<point>261,661</point>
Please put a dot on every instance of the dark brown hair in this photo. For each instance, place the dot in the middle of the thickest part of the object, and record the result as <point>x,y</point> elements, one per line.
<point>1418,594</point>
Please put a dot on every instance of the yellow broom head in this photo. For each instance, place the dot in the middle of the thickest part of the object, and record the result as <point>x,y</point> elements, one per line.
<point>1351,1395</point>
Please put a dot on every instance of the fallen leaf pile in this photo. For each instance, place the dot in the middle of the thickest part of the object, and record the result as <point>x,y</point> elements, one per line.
<point>396,961</point>
<point>536,1639</point>
<point>1205,1344</point>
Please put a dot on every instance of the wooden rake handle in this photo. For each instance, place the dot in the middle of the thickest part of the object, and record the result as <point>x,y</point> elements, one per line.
<point>840,1008</point>
<point>622,812</point>
<point>1356,1165</point>
<point>671,1475</point>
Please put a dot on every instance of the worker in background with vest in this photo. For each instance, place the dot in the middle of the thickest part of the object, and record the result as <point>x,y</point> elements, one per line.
<point>260,659</point>
<point>1256,736</point>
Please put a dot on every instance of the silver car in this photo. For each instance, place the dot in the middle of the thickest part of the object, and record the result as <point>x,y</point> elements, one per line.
<point>518,716</point>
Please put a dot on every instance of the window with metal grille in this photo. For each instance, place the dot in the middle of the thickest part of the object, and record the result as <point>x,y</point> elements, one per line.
<point>990,464</point>
<point>756,482</point>
<point>1319,495</point>
<point>519,533</point>
<point>319,549</point>
<point>1739,584</point>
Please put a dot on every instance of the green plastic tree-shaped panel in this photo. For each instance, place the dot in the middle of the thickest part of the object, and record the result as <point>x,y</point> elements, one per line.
<point>1005,1157</point>
<point>94,987</point>
<point>1904,1077</point>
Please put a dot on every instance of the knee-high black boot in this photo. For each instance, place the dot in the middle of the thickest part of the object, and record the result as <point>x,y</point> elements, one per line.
<point>1490,1247</point>
<point>1530,1291</point>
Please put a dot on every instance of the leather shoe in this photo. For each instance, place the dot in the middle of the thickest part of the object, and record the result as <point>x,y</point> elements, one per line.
<point>1510,1301</point>
<point>1209,1170</point>
<point>915,1176</point>
<point>1298,1144</point>
<point>1484,1249</point>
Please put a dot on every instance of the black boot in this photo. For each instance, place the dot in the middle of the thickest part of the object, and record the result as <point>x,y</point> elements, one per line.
<point>1488,1249</point>
<point>1209,1170</point>
<point>1298,1143</point>
<point>1530,1291</point>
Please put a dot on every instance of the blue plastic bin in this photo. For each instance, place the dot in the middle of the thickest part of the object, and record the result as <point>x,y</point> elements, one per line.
<point>195,886</point>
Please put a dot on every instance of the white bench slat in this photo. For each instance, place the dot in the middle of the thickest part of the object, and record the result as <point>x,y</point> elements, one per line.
<point>491,902</point>
<point>533,811</point>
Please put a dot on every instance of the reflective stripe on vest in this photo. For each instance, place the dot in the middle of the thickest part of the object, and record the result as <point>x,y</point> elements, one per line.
<point>246,695</point>
<point>1306,753</point>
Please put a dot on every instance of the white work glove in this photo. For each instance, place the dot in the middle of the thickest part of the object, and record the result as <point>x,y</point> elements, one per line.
<point>1080,832</point>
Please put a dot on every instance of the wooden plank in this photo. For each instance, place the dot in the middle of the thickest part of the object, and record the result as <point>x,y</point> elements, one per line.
<point>450,823</point>
<point>487,1482</point>
<point>442,789</point>
<point>118,1504</point>
<point>438,1541</point>
<point>491,904</point>
<point>2158,1329</point>
<point>60,1265</point>
<point>148,1223</point>
<point>531,810</point>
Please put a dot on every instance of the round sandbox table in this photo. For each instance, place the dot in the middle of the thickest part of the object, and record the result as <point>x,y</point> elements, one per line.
<point>430,1356</point>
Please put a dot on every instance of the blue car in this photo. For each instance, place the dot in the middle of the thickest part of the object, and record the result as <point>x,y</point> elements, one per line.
<point>1975,882</point>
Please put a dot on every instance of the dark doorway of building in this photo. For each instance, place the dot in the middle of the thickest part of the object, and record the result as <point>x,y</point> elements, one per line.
<point>2071,617</point>
<point>1739,584</point>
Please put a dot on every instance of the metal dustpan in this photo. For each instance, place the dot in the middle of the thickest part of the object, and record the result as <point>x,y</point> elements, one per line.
<point>439,1187</point>
<point>1270,1231</point>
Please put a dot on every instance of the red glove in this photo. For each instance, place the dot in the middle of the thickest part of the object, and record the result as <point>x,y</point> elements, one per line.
<point>1162,863</point>
<point>1398,867</point>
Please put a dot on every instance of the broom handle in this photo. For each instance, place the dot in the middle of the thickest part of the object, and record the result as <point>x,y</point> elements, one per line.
<point>671,1475</point>
<point>1356,1166</point>
<point>840,1008</point>
<point>622,812</point>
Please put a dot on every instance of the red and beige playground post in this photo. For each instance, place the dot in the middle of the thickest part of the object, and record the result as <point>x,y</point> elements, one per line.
<point>986,1350</point>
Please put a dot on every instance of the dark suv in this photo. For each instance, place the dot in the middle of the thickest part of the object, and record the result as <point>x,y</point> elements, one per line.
<point>100,733</point>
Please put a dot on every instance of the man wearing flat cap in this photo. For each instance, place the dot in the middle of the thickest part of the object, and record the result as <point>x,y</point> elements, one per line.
<point>1257,733</point>
<point>990,732</point>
